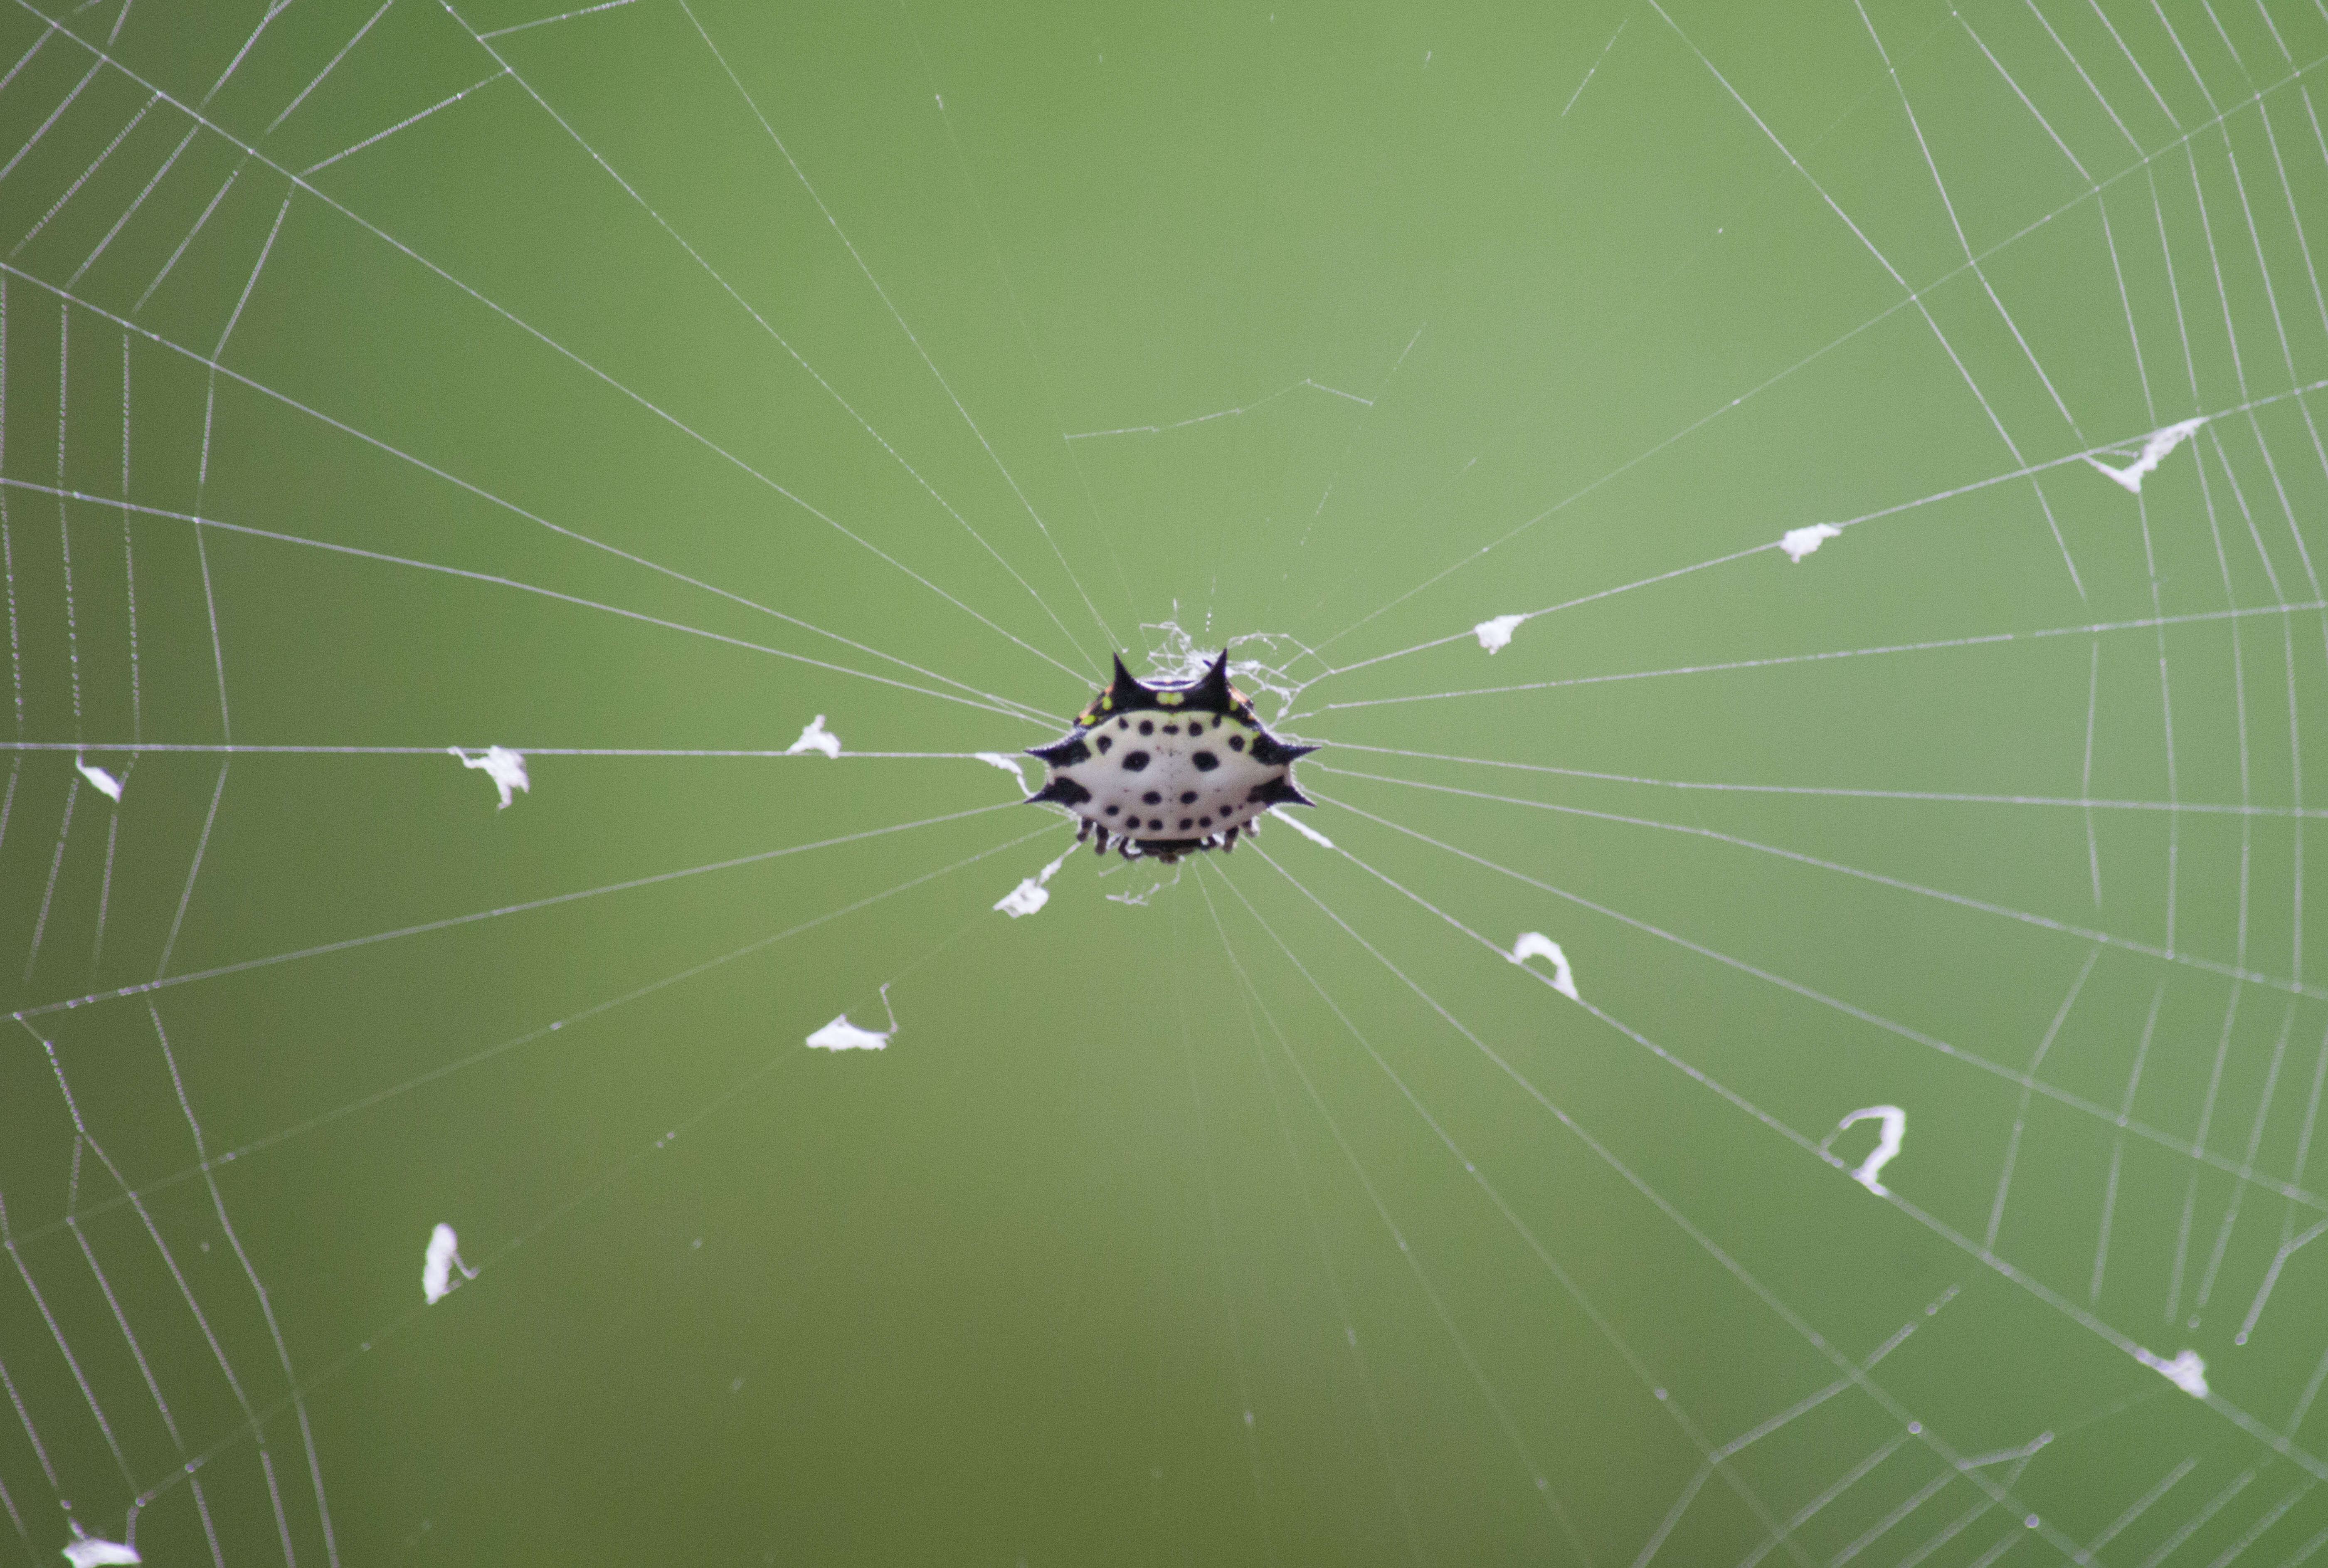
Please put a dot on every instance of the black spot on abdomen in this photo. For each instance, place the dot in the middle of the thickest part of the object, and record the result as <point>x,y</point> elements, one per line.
<point>1134,761</point>
<point>1205,760</point>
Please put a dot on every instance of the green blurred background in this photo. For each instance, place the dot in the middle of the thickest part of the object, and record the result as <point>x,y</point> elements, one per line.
<point>644,383</point>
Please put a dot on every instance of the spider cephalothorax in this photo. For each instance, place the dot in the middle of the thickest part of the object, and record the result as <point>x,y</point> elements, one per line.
<point>1165,768</point>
